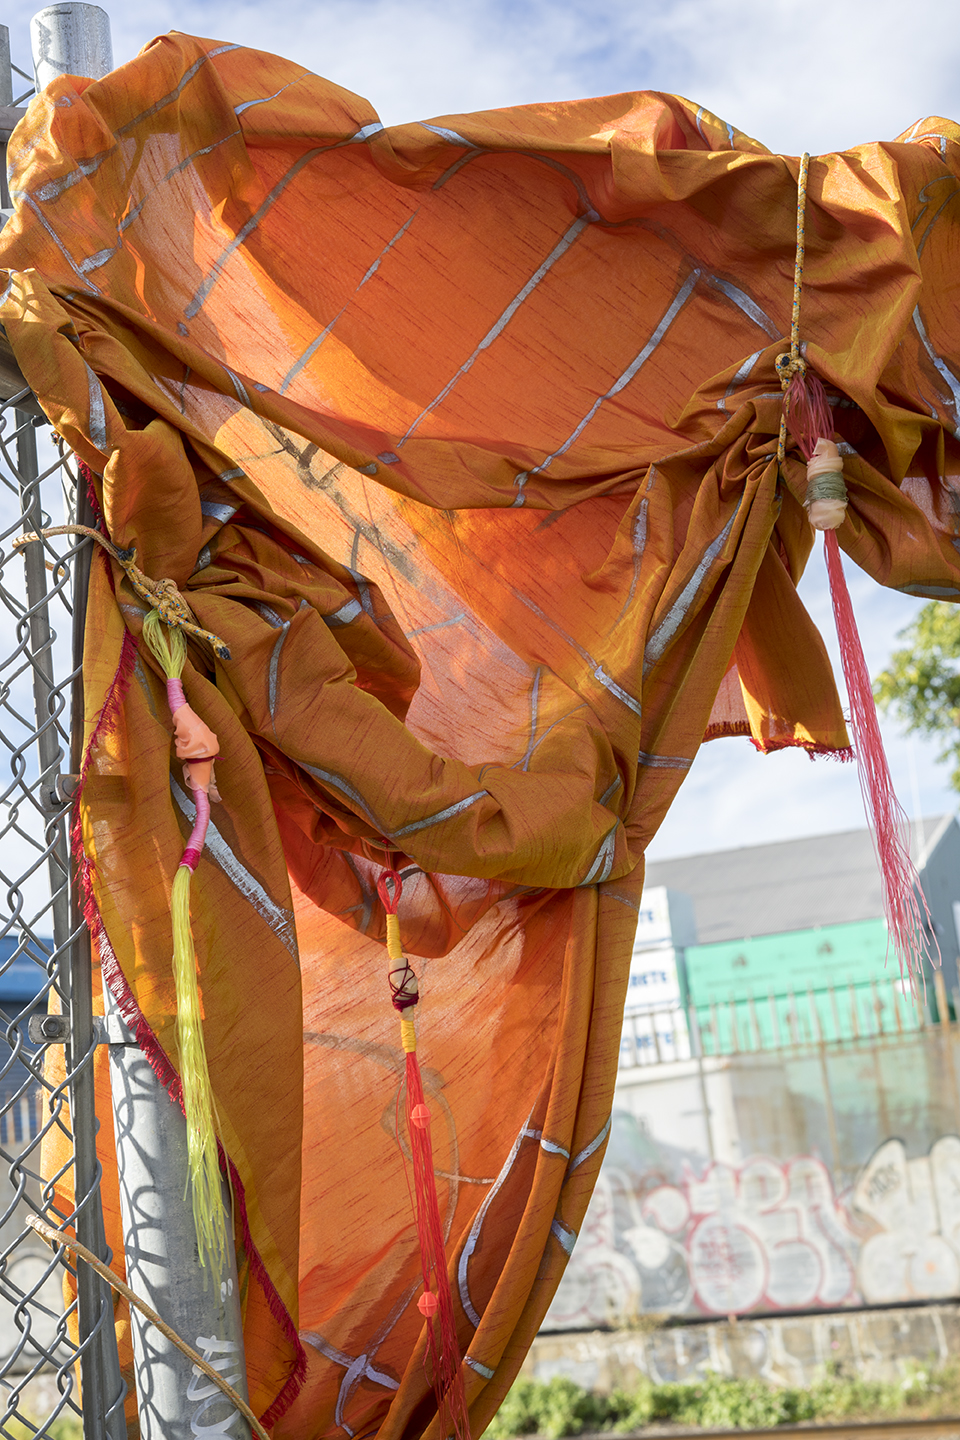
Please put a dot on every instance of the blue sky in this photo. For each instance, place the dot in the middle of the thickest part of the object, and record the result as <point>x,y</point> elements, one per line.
<point>819,75</point>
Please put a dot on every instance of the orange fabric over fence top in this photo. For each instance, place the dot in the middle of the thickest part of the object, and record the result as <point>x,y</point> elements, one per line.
<point>461,435</point>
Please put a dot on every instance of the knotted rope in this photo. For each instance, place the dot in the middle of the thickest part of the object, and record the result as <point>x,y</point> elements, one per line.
<point>162,595</point>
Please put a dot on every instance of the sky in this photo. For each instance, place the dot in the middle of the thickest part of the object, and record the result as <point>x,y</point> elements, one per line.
<point>817,75</point>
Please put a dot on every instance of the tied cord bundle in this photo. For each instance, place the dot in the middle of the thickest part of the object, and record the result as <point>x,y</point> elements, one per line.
<point>806,413</point>
<point>196,745</point>
<point>436,1302</point>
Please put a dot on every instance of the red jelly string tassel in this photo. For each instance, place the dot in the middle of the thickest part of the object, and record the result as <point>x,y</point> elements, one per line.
<point>436,1302</point>
<point>905,908</point>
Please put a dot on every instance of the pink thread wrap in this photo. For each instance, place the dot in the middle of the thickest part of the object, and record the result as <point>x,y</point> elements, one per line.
<point>175,695</point>
<point>191,856</point>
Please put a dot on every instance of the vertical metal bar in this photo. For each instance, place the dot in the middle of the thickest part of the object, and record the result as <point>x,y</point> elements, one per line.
<point>697,1042</point>
<point>755,1022</point>
<point>774,1020</point>
<point>854,1017</point>
<point>835,1012</point>
<point>828,1108</point>
<point>946,1040</point>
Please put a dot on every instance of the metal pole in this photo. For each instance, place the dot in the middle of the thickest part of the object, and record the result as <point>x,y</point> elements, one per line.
<point>70,39</point>
<point>103,1389</point>
<point>160,1249</point>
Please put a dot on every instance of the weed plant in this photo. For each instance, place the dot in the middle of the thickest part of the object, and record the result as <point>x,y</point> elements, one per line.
<point>560,1407</point>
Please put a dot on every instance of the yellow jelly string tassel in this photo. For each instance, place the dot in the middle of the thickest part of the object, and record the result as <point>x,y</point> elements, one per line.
<point>196,744</point>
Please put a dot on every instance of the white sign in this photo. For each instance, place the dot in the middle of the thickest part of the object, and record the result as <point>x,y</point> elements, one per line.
<point>653,983</point>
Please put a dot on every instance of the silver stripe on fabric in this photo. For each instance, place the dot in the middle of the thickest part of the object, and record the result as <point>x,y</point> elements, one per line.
<point>314,345</point>
<point>98,416</point>
<point>733,143</point>
<point>364,133</point>
<point>610,790</point>
<point>599,673</point>
<point>273,680</point>
<point>344,615</point>
<point>446,134</point>
<point>203,560</point>
<point>738,379</point>
<point>215,510</point>
<point>673,310</point>
<point>239,389</point>
<point>941,366</point>
<point>279,919</point>
<point>622,900</point>
<point>552,1148</point>
<point>470,1244</point>
<point>247,229</point>
<point>337,782</point>
<point>88,286</point>
<point>603,864</point>
<point>386,249</point>
<point>663,762</point>
<point>743,302</point>
<point>562,245</point>
<point>363,585</point>
<point>566,1236</point>
<point>699,126</point>
<point>483,1370</point>
<point>590,1149</point>
<point>267,612</point>
<point>265,99</point>
<point>228,475</point>
<point>308,354</point>
<point>674,617</point>
<point>441,815</point>
<point>534,717</point>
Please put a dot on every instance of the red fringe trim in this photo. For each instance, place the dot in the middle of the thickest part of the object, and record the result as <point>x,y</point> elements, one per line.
<point>740,727</point>
<point>156,1056</point>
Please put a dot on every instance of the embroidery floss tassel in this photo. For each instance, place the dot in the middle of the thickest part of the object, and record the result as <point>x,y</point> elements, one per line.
<point>905,907</point>
<point>436,1302</point>
<point>203,1159</point>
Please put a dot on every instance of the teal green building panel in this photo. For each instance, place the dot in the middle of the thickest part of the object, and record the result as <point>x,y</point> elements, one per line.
<point>796,961</point>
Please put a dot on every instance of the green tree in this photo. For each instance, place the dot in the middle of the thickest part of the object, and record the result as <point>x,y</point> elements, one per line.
<point>922,683</point>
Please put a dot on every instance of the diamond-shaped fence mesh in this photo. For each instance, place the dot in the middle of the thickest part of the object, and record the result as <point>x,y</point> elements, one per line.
<point>54,1341</point>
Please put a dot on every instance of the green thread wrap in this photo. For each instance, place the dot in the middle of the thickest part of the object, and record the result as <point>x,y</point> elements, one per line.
<point>826,487</point>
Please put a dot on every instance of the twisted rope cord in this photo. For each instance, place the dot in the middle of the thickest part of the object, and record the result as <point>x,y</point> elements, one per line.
<point>162,595</point>
<point>792,363</point>
<point>57,1238</point>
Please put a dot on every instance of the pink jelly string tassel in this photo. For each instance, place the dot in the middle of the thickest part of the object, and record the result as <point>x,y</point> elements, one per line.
<point>909,926</point>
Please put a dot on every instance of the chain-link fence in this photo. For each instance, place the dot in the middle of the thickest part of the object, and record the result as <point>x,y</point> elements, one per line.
<point>51,1347</point>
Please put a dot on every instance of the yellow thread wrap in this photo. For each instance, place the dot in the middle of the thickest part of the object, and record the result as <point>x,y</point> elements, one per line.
<point>394,948</point>
<point>202,1157</point>
<point>408,1035</point>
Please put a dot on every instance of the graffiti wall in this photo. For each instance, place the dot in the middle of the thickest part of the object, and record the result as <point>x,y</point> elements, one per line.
<point>665,1235</point>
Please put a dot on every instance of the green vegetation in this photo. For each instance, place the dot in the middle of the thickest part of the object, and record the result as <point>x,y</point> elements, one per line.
<point>716,1402</point>
<point>66,1427</point>
<point>922,682</point>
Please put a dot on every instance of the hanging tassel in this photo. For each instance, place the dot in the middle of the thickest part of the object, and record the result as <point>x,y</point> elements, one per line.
<point>909,926</point>
<point>436,1302</point>
<point>196,745</point>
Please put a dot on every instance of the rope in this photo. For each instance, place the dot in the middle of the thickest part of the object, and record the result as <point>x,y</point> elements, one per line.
<point>791,363</point>
<point>162,595</point>
<point>57,1237</point>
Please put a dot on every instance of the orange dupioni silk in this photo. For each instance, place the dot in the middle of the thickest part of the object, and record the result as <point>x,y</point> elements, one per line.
<point>461,435</point>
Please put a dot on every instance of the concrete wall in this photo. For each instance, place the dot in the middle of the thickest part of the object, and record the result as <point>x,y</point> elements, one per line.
<point>879,1345</point>
<point>775,1181</point>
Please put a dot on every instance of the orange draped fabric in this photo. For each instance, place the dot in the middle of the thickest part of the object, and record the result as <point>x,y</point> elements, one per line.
<point>461,435</point>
